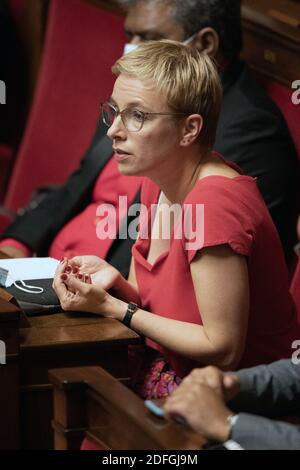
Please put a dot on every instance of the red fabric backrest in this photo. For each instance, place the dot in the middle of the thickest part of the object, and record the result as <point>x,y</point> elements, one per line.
<point>282,96</point>
<point>295,288</point>
<point>82,43</point>
<point>6,154</point>
<point>17,8</point>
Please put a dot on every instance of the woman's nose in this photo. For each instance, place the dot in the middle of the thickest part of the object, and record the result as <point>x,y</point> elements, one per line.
<point>117,129</point>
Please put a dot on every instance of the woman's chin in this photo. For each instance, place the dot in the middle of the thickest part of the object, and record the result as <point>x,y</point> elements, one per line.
<point>128,170</point>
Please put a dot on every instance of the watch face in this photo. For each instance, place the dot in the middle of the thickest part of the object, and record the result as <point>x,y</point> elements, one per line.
<point>132,307</point>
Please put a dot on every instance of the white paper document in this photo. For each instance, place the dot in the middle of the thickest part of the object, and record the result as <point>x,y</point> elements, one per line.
<point>23,269</point>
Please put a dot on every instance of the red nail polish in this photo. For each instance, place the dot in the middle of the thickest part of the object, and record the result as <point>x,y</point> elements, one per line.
<point>74,270</point>
<point>68,269</point>
<point>80,276</point>
<point>64,277</point>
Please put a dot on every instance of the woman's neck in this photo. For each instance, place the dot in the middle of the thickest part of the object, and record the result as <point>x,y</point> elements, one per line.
<point>178,182</point>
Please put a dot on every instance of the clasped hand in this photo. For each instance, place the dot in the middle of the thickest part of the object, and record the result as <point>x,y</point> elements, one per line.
<point>201,399</point>
<point>81,284</point>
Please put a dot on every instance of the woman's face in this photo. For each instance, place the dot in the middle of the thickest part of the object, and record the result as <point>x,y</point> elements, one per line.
<point>152,150</point>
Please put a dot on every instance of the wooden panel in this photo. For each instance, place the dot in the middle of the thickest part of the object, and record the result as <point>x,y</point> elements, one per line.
<point>67,329</point>
<point>9,376</point>
<point>9,400</point>
<point>272,38</point>
<point>36,344</point>
<point>64,340</point>
<point>54,341</point>
<point>111,414</point>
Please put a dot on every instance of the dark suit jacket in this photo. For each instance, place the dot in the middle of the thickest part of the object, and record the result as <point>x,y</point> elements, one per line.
<point>251,132</point>
<point>271,391</point>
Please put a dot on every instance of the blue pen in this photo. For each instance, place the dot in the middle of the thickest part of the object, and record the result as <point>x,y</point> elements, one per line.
<point>155,409</point>
<point>160,412</point>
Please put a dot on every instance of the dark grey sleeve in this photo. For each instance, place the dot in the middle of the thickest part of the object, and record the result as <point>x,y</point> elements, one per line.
<point>257,433</point>
<point>272,390</point>
<point>252,132</point>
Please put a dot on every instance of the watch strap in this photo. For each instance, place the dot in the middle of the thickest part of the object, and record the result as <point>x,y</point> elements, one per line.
<point>131,309</point>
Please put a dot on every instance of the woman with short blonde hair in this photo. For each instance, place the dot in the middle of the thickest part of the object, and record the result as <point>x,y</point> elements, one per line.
<point>216,293</point>
<point>187,79</point>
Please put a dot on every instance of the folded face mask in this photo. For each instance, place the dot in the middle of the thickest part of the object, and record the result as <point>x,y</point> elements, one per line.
<point>21,285</point>
<point>129,48</point>
<point>27,288</point>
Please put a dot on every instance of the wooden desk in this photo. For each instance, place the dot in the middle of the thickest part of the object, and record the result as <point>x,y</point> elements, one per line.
<point>54,341</point>
<point>90,402</point>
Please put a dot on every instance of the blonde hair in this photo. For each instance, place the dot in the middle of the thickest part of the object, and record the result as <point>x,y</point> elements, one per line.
<point>187,79</point>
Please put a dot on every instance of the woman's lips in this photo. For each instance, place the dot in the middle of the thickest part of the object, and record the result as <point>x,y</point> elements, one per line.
<point>120,155</point>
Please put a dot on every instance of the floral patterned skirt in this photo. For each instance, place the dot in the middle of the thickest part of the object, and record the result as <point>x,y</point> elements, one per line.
<point>155,378</point>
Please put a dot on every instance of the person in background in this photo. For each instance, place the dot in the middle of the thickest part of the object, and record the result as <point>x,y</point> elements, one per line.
<point>251,132</point>
<point>239,406</point>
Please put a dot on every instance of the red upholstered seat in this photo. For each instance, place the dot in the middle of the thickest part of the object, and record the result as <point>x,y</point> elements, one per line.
<point>88,445</point>
<point>82,42</point>
<point>6,154</point>
<point>17,8</point>
<point>282,96</point>
<point>295,289</point>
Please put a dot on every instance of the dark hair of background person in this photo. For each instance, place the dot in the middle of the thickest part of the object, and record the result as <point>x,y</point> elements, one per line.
<point>224,16</point>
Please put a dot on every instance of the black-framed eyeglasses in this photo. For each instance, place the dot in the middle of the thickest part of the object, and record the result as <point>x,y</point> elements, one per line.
<point>132,118</point>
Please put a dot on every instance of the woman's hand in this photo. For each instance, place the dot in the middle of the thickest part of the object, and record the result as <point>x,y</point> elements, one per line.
<point>101,273</point>
<point>77,295</point>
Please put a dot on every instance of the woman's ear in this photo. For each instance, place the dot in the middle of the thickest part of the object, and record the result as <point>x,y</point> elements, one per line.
<point>207,41</point>
<point>191,130</point>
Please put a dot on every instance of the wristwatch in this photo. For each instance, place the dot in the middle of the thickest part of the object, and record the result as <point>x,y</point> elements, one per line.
<point>131,309</point>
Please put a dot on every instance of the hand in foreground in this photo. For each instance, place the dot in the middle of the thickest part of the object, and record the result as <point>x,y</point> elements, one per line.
<point>225,384</point>
<point>102,273</point>
<point>202,408</point>
<point>201,399</point>
<point>77,295</point>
